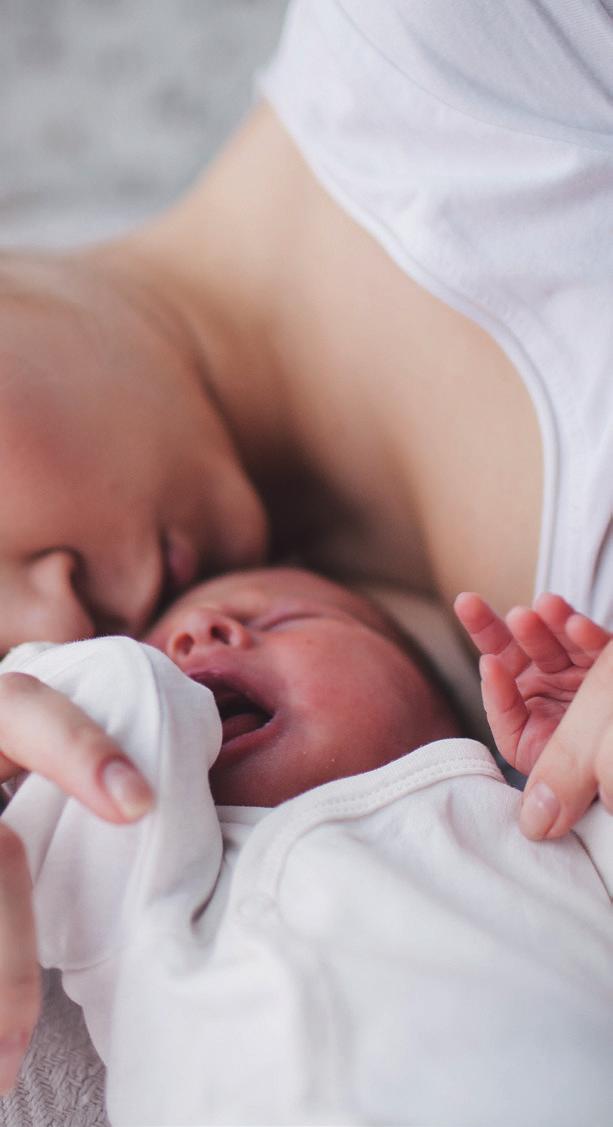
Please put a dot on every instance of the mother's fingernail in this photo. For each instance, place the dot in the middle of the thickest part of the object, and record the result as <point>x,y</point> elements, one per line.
<point>12,1049</point>
<point>128,790</point>
<point>539,810</point>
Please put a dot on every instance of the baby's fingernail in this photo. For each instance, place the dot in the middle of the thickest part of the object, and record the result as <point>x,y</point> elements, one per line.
<point>539,810</point>
<point>128,790</point>
<point>12,1049</point>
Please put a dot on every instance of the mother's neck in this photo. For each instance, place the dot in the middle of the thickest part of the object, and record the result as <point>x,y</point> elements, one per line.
<point>273,285</point>
<point>216,261</point>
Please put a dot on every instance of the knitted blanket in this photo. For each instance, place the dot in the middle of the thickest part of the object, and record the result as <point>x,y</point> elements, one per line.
<point>62,1079</point>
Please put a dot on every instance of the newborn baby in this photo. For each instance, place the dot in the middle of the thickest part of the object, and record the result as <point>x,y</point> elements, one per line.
<point>311,680</point>
<point>314,962</point>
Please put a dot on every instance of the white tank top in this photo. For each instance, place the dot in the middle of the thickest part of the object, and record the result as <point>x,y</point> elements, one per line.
<point>474,140</point>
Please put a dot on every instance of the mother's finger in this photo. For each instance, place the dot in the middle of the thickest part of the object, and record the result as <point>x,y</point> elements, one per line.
<point>578,756</point>
<point>19,973</point>
<point>43,731</point>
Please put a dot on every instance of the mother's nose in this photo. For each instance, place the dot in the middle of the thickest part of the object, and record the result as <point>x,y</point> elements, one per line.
<point>202,627</point>
<point>40,601</point>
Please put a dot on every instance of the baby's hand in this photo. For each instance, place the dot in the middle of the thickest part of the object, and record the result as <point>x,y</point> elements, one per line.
<point>532,667</point>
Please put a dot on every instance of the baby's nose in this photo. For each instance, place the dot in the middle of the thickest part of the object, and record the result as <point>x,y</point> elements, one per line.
<point>203,627</point>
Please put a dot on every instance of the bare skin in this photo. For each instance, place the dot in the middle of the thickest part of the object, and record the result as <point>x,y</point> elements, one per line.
<point>378,426</point>
<point>310,683</point>
<point>309,331</point>
<point>534,665</point>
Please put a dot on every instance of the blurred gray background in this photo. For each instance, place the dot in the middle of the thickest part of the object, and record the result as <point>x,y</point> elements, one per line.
<point>109,108</point>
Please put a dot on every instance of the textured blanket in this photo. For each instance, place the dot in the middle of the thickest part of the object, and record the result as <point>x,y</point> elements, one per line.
<point>62,1080</point>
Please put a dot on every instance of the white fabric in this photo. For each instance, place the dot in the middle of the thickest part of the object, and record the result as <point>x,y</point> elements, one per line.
<point>109,875</point>
<point>389,949</point>
<point>474,140</point>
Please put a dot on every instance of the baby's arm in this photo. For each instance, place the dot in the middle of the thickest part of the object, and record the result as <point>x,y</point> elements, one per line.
<point>533,666</point>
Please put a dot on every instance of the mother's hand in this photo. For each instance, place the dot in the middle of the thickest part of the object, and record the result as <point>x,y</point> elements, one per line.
<point>41,730</point>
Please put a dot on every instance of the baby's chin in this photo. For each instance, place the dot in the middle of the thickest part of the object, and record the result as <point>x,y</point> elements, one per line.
<point>446,727</point>
<point>437,722</point>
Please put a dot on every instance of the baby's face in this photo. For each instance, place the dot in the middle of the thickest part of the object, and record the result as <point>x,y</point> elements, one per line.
<point>308,687</point>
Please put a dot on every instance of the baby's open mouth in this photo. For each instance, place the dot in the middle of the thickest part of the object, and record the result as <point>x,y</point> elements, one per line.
<point>239,714</point>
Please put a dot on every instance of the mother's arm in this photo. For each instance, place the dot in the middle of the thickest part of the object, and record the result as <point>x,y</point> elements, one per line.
<point>41,730</point>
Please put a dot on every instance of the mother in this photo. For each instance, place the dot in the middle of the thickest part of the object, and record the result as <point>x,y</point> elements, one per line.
<point>377,332</point>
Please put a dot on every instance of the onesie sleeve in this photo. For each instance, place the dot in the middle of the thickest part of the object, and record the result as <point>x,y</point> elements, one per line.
<point>93,881</point>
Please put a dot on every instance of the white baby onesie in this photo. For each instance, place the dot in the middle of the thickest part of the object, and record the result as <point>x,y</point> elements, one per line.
<point>388,948</point>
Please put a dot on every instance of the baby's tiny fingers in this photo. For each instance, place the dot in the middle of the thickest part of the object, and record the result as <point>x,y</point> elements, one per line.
<point>587,634</point>
<point>505,708</point>
<point>489,632</point>
<point>537,640</point>
<point>555,612</point>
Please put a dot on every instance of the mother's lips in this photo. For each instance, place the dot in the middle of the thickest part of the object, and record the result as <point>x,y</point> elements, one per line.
<point>181,561</point>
